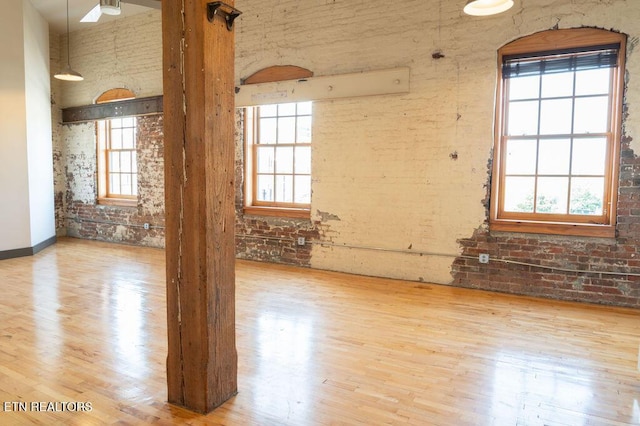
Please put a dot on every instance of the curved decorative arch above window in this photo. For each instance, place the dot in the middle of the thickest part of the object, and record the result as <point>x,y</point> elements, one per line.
<point>114,95</point>
<point>278,73</point>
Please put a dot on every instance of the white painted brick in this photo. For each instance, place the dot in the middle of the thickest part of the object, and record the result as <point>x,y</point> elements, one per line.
<point>381,164</point>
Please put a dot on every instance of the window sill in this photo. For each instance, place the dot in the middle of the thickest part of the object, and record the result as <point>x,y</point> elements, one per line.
<point>278,212</point>
<point>120,202</point>
<point>571,229</point>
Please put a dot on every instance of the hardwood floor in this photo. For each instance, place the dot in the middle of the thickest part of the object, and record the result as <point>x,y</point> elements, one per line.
<point>84,322</point>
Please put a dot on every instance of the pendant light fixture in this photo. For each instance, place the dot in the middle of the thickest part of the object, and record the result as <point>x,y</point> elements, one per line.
<point>487,7</point>
<point>67,73</point>
<point>110,7</point>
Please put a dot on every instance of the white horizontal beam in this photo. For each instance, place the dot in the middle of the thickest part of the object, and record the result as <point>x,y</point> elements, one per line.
<point>381,82</point>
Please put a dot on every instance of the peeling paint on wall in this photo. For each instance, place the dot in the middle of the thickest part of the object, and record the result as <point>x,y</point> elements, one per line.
<point>84,218</point>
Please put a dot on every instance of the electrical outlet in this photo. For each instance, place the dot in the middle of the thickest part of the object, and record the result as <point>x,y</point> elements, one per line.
<point>146,226</point>
<point>301,241</point>
<point>483,258</point>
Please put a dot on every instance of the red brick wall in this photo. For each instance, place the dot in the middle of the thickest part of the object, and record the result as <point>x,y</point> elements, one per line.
<point>621,254</point>
<point>274,239</point>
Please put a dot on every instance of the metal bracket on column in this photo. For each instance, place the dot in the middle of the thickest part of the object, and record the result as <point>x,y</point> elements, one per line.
<point>229,13</point>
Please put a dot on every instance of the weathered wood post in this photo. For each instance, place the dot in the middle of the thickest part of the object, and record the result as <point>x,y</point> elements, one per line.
<point>198,60</point>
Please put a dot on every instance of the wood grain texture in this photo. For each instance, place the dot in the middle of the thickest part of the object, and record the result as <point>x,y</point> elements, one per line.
<point>278,73</point>
<point>86,321</point>
<point>199,197</point>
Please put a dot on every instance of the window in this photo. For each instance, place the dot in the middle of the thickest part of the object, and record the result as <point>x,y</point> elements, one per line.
<point>558,131</point>
<point>117,159</point>
<point>278,163</point>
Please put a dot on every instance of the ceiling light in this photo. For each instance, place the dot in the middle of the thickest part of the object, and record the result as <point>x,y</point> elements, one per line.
<point>68,74</point>
<point>110,7</point>
<point>487,7</point>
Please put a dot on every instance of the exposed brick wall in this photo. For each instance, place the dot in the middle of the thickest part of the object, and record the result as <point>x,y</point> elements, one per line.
<point>84,218</point>
<point>59,156</point>
<point>398,172</point>
<point>126,52</point>
<point>621,254</point>
<point>258,238</point>
<point>274,239</point>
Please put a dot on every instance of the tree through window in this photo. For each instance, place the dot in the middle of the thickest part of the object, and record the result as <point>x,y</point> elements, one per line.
<point>558,124</point>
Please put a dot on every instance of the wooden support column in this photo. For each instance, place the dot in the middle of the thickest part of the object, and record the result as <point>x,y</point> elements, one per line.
<point>198,60</point>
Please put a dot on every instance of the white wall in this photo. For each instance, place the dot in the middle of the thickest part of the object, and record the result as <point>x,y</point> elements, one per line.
<point>38,116</point>
<point>14,184</point>
<point>125,53</point>
<point>26,209</point>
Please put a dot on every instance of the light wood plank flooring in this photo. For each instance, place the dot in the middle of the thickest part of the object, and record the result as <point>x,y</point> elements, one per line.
<point>85,322</point>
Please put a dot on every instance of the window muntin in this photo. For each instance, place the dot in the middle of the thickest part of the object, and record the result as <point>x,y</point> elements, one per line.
<point>118,167</point>
<point>279,146</point>
<point>558,129</point>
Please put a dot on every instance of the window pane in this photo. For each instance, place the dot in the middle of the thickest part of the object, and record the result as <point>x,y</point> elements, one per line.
<point>587,195</point>
<point>303,189</point>
<point>557,84</point>
<point>284,159</point>
<point>523,118</point>
<point>524,87</point>
<point>125,161</point>
<point>555,117</point>
<point>304,130</point>
<point>114,183</point>
<point>128,121</point>
<point>287,109</point>
<point>287,130</point>
<point>552,195</point>
<point>268,130</point>
<point>303,160</point>
<point>125,184</point>
<point>521,157</point>
<point>284,188</point>
<point>593,82</point>
<point>518,195</point>
<point>589,156</point>
<point>116,139</point>
<point>264,191</point>
<point>268,110</point>
<point>282,155</point>
<point>304,108</point>
<point>591,115</point>
<point>553,156</point>
<point>134,163</point>
<point>128,138</point>
<point>134,184</point>
<point>265,163</point>
<point>114,161</point>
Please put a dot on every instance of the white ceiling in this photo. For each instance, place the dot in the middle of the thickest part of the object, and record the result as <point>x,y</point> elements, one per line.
<point>55,12</point>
